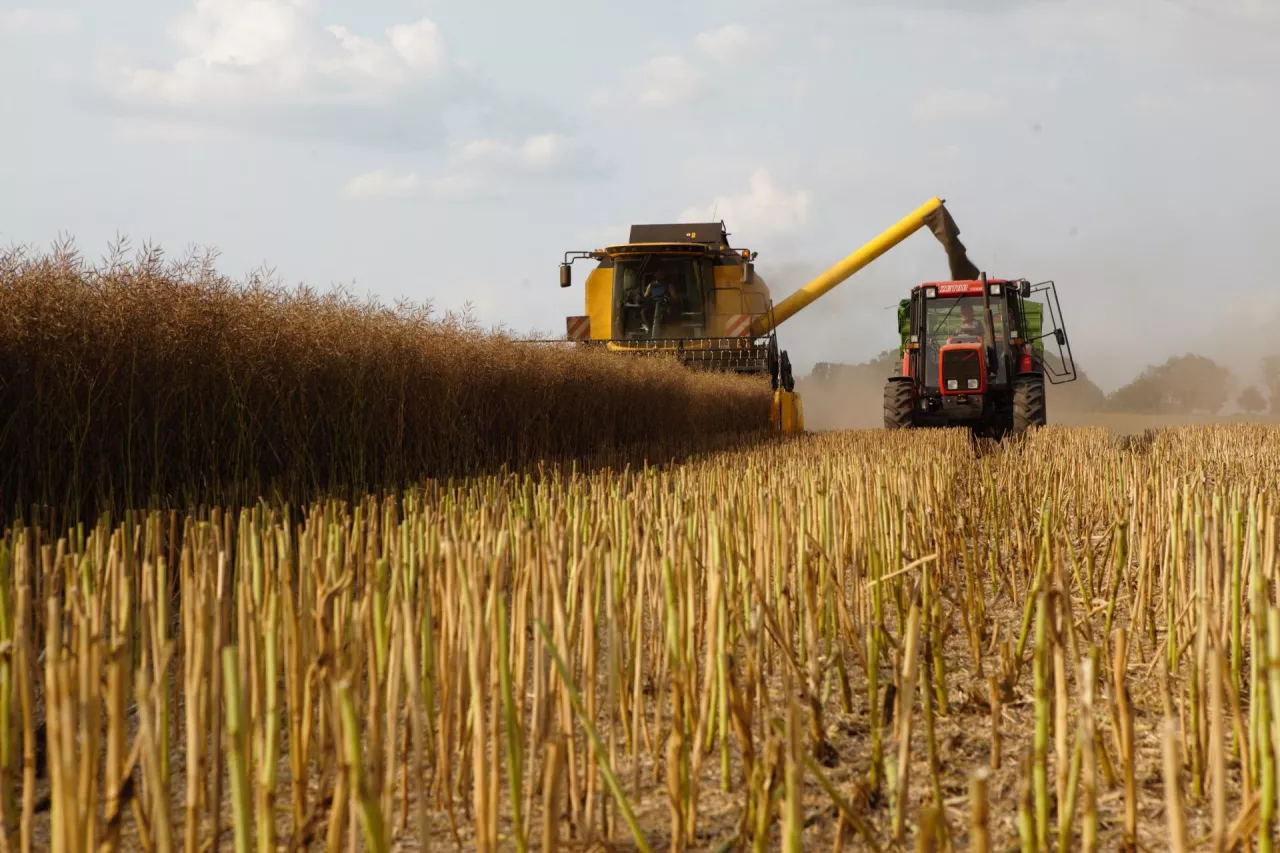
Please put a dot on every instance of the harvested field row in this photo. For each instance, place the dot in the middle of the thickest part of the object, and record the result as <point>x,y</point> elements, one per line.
<point>1065,643</point>
<point>150,382</point>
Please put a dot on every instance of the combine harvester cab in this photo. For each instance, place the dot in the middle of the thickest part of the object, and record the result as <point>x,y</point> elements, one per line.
<point>681,290</point>
<point>973,355</point>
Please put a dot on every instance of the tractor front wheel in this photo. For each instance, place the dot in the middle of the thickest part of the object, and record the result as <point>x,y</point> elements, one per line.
<point>1028,403</point>
<point>899,404</point>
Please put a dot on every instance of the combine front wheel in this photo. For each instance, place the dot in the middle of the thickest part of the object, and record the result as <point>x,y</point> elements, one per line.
<point>1028,403</point>
<point>899,404</point>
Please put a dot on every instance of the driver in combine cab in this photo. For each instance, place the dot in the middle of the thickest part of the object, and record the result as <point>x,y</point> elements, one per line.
<point>969,325</point>
<point>655,291</point>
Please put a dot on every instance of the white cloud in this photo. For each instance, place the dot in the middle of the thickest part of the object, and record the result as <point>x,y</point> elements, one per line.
<point>418,44</point>
<point>763,208</point>
<point>542,152</point>
<point>955,104</point>
<point>673,79</point>
<point>730,42</point>
<point>277,67</point>
<point>238,53</point>
<point>36,21</point>
<point>665,81</point>
<point>382,184</point>
<point>411,50</point>
<point>484,166</point>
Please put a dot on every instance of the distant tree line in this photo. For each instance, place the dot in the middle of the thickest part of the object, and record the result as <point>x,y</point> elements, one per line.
<point>1185,384</point>
<point>1194,384</point>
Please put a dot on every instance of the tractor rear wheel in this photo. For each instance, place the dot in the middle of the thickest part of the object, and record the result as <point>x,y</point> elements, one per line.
<point>1028,403</point>
<point>899,404</point>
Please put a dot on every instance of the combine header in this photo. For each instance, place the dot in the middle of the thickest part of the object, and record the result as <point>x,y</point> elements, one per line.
<point>681,291</point>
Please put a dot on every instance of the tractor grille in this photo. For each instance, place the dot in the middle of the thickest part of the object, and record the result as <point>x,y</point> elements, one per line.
<point>962,366</point>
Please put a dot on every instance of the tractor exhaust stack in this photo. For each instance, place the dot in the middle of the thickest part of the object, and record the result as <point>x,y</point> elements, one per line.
<point>988,327</point>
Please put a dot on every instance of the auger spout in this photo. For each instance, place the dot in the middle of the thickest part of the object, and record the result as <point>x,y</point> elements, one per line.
<point>932,213</point>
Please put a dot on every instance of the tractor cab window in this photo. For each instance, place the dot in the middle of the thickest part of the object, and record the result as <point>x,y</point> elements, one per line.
<point>961,320</point>
<point>961,317</point>
<point>660,297</point>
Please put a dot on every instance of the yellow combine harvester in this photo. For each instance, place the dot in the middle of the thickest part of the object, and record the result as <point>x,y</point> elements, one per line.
<point>681,290</point>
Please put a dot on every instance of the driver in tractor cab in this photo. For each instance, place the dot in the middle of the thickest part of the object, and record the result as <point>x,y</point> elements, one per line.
<point>969,326</point>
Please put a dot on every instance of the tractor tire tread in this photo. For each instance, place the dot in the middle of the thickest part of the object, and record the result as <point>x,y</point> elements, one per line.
<point>899,405</point>
<point>1029,408</point>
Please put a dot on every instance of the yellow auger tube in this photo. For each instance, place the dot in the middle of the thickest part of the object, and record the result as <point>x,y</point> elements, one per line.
<point>850,265</point>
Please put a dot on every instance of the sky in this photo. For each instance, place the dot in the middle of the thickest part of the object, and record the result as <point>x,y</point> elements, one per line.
<point>450,152</point>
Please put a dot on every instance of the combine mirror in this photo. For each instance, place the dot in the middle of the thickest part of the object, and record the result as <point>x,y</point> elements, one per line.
<point>566,275</point>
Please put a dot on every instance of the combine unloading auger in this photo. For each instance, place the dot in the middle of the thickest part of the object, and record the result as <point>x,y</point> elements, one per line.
<point>933,214</point>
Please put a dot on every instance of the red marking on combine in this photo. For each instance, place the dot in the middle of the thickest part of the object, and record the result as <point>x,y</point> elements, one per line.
<point>578,328</point>
<point>737,326</point>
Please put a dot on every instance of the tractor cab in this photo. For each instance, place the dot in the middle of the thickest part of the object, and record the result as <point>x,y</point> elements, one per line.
<point>973,353</point>
<point>957,358</point>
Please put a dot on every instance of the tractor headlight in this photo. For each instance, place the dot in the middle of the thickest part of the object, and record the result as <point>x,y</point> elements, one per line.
<point>995,290</point>
<point>973,383</point>
<point>931,293</point>
<point>952,385</point>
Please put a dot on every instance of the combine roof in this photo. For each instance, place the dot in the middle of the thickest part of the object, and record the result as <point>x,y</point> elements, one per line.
<point>703,233</point>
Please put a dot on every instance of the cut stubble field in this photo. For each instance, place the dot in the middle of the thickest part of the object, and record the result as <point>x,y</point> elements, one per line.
<point>861,640</point>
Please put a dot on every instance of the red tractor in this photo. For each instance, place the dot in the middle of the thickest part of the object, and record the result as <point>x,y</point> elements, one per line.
<point>973,355</point>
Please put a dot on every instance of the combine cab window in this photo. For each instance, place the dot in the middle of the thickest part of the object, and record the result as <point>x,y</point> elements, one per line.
<point>682,315</point>
<point>946,319</point>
